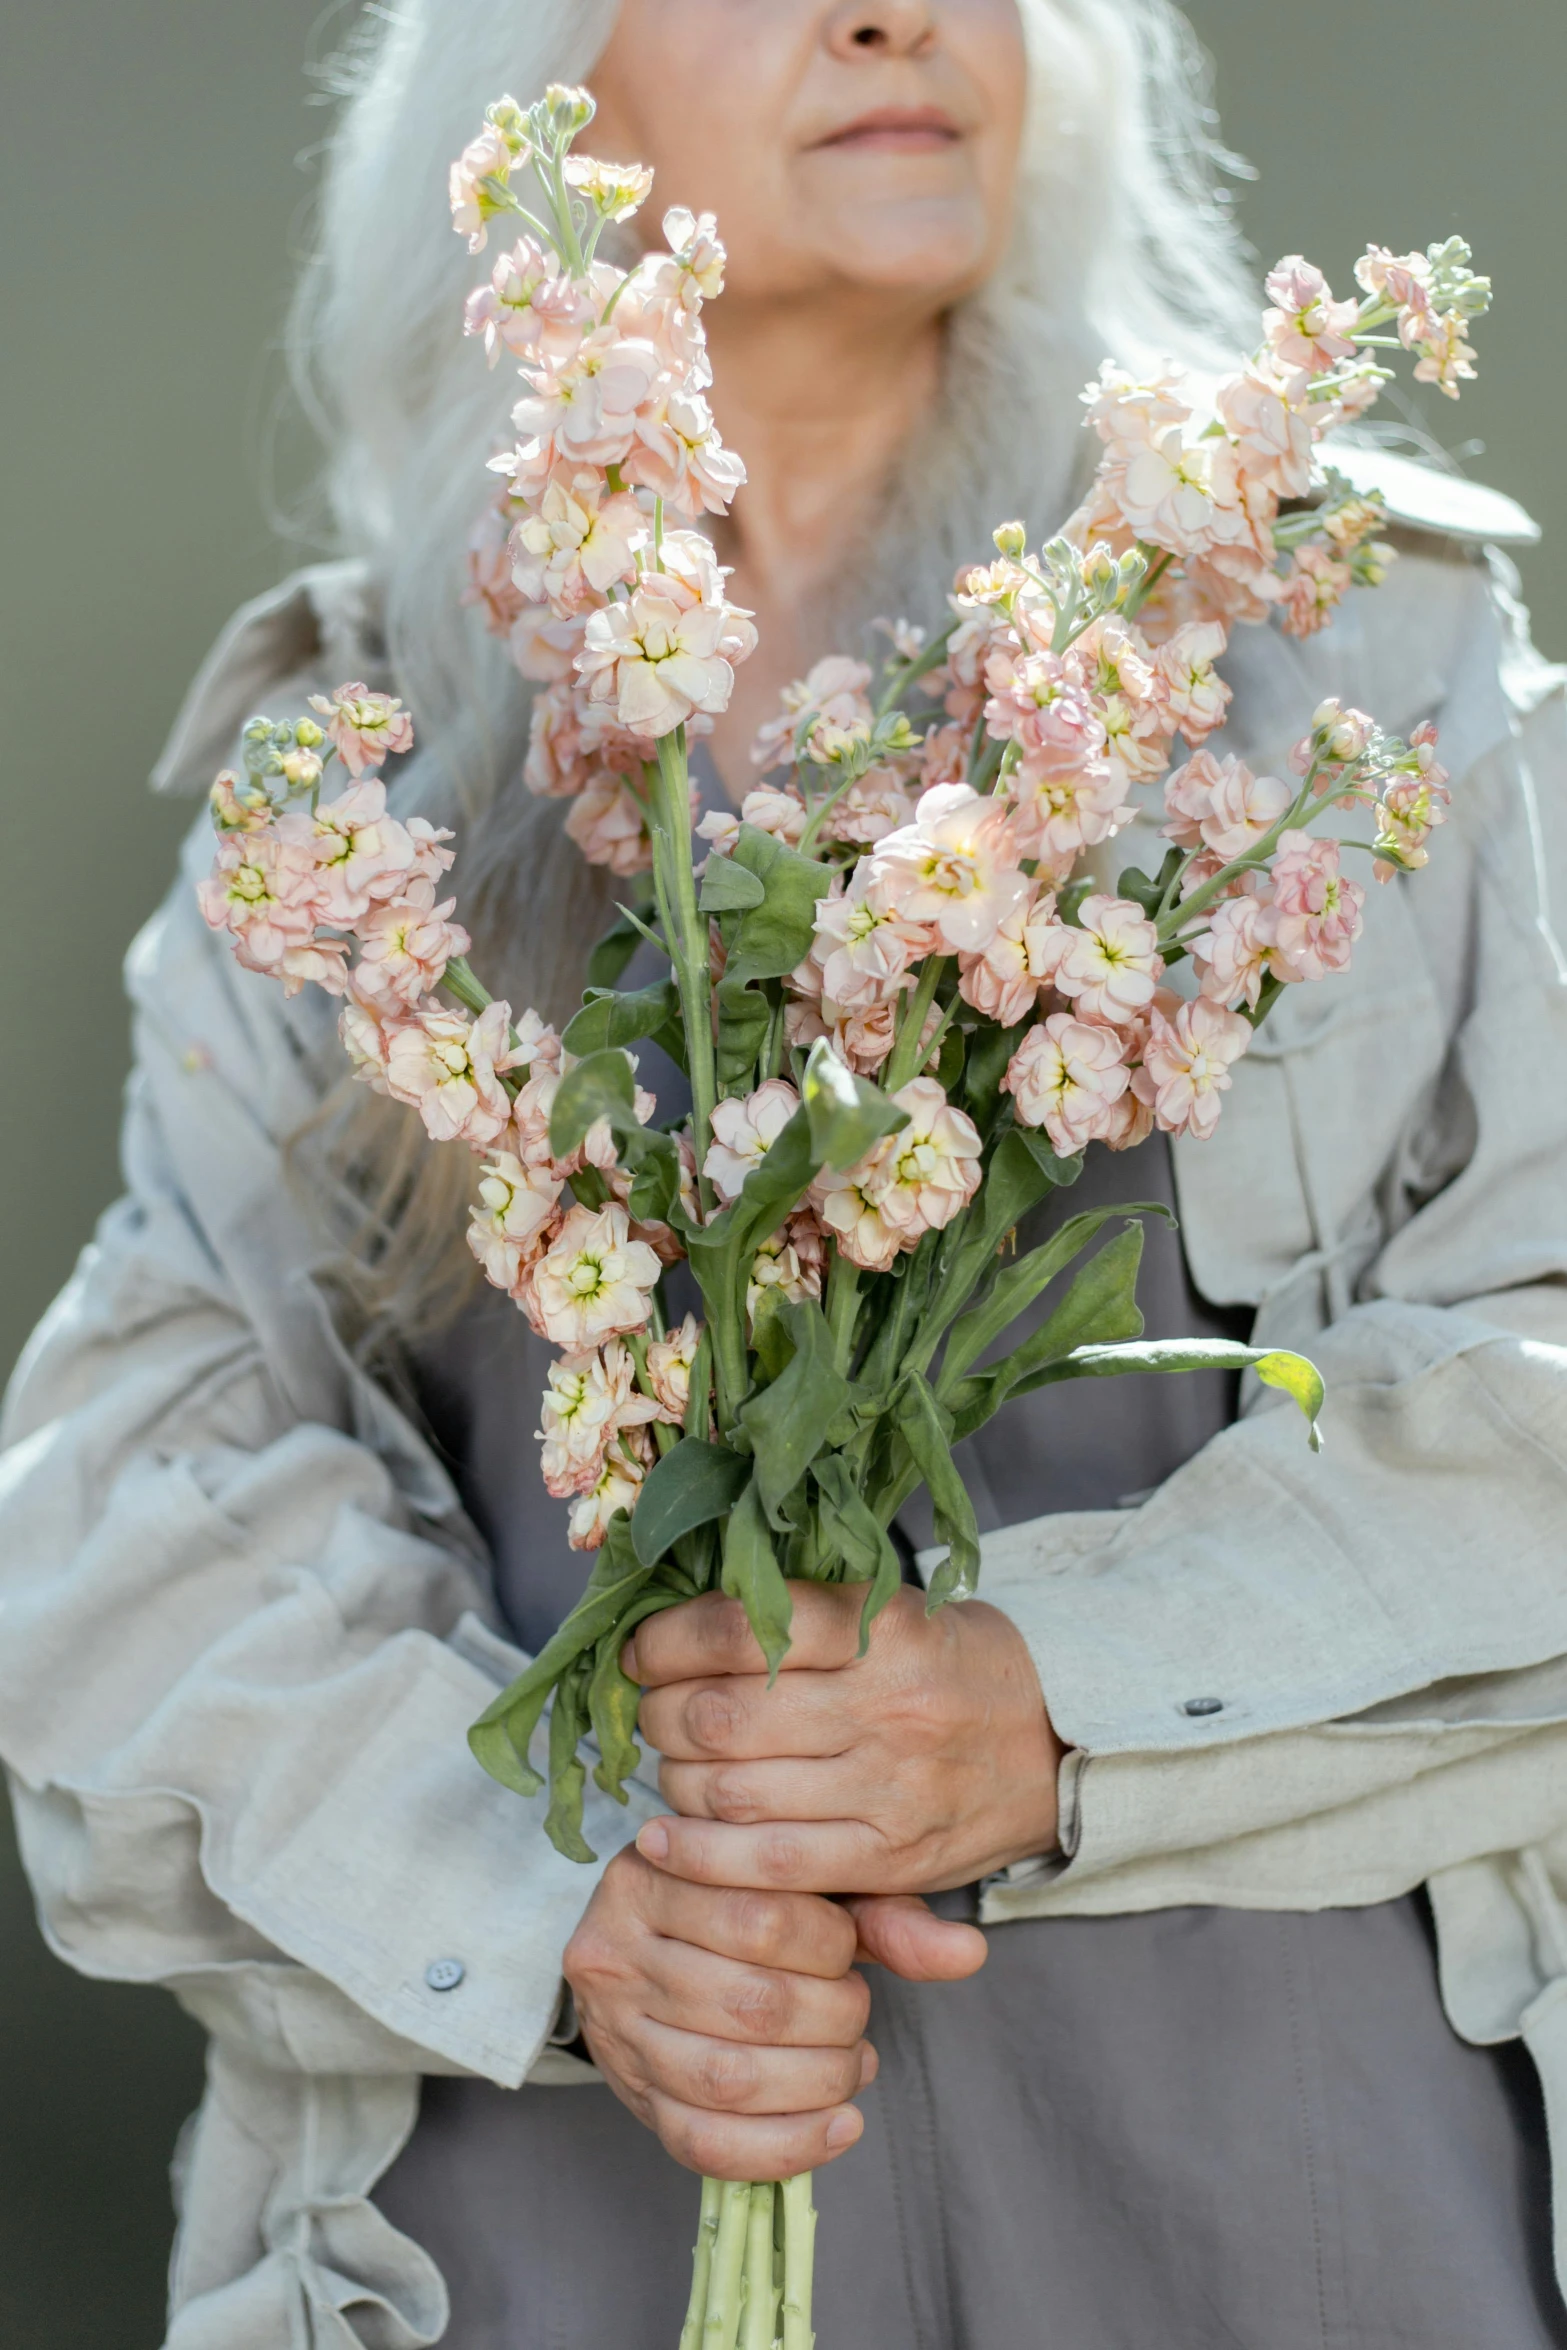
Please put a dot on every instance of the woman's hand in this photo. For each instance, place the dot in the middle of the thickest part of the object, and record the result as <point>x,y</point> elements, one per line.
<point>731,2023</point>
<point>927,1763</point>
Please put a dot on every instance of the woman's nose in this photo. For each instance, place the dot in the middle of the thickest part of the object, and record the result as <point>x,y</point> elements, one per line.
<point>881,28</point>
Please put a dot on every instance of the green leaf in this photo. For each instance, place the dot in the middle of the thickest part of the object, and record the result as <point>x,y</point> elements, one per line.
<point>926,1431</point>
<point>774,937</point>
<point>851,1527</point>
<point>1014,1290</point>
<point>694,1483</point>
<point>727,888</point>
<point>990,1049</point>
<point>1148,891</point>
<point>501,1736</point>
<point>847,1115</point>
<point>788,1422</point>
<point>1099,1308</point>
<point>752,1575</point>
<point>607,1020</point>
<point>613,1697</point>
<point>601,1086</point>
<point>568,1779</point>
<point>769,940</point>
<point>721,1252</point>
<point>1275,1367</point>
<point>617,946</point>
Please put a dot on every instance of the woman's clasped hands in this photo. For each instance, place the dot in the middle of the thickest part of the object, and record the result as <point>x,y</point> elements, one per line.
<point>714,1969</point>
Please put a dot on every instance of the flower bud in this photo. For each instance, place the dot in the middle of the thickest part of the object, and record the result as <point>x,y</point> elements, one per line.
<point>564,110</point>
<point>1011,540</point>
<point>308,735</point>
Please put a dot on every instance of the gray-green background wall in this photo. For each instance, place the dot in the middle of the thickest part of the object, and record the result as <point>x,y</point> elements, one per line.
<point>150,163</point>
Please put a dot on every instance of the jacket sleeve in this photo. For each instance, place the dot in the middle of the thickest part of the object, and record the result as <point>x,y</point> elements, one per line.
<point>1292,1681</point>
<point>245,1623</point>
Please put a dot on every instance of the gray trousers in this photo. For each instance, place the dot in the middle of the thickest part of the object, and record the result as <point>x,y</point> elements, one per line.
<point>1199,2129</point>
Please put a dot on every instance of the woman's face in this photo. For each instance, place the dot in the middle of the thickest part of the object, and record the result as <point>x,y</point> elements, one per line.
<point>842,143</point>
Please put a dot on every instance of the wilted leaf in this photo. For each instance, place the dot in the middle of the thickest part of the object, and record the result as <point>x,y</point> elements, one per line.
<point>788,1422</point>
<point>752,1575</point>
<point>693,1484</point>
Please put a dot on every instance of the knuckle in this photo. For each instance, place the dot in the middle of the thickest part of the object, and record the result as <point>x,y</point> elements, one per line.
<point>713,1719</point>
<point>590,1956</point>
<point>781,1859</point>
<point>724,2076</point>
<point>761,2005</point>
<point>729,1798</point>
<point>757,1924</point>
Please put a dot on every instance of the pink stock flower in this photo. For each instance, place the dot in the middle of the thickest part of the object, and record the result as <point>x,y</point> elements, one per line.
<point>609,825</point>
<point>954,868</point>
<point>405,946</point>
<point>488,157</point>
<point>1186,1065</point>
<point>1338,736</point>
<point>944,755</point>
<point>1220,805</point>
<point>1040,702</point>
<point>1003,980</point>
<point>363,856</point>
<point>262,890</point>
<point>1129,696</point>
<point>1059,813</point>
<point>1402,279</point>
<point>1318,910</point>
<point>1306,328</point>
<point>669,648</point>
<point>669,1363</point>
<point>491,590</point>
<point>364,728</point>
<point>872,807</point>
<point>677,453</point>
<point>1197,697</point>
<point>531,306</point>
<point>1233,953</point>
<point>1110,965</point>
<point>836,691</point>
<point>589,1401</point>
<point>1273,439</point>
<point>367,1039</point>
<point>580,410</point>
<point>1314,587</point>
<point>314,962</point>
<point>744,1132</point>
<point>515,1209</point>
<point>780,812</point>
<point>620,1481</point>
<point>863,949</point>
<point>449,1069</point>
<point>578,543</point>
<point>614,189</point>
<point>1411,807</point>
<point>790,1264</point>
<point>1446,354</point>
<point>236,806</point>
<point>1067,1076</point>
<point>919,1178</point>
<point>593,1281</point>
<point>572,740</point>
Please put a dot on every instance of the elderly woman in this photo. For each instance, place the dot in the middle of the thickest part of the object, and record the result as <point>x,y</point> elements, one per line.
<point>1241,1797</point>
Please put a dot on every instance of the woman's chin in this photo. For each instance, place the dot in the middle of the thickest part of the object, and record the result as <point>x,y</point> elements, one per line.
<point>941,247</point>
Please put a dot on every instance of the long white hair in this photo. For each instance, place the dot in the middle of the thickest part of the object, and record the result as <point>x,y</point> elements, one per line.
<point>1123,246</point>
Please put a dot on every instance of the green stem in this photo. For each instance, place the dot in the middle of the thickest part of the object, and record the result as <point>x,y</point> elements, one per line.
<point>843,1308</point>
<point>758,2300</point>
<point>702,2265</point>
<point>906,1056</point>
<point>799,2262</point>
<point>911,671</point>
<point>1151,578</point>
<point>685,929</point>
<point>721,2324</point>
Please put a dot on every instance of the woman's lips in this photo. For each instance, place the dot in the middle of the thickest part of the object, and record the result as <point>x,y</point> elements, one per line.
<point>897,130</point>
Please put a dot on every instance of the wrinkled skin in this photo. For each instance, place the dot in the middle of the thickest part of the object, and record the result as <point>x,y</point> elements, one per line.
<point>849,239</point>
<point>716,1985</point>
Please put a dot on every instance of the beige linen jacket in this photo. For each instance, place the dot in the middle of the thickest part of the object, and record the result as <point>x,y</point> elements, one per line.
<point>244,1623</point>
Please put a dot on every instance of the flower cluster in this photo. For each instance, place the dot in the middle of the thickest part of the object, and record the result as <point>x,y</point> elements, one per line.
<point>623,616</point>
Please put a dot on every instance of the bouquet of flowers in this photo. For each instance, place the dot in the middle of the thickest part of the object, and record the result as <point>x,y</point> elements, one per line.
<point>901,1004</point>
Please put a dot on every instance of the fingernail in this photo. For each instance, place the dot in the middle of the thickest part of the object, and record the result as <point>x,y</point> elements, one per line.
<point>628,1661</point>
<point>842,2130</point>
<point>653,1841</point>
